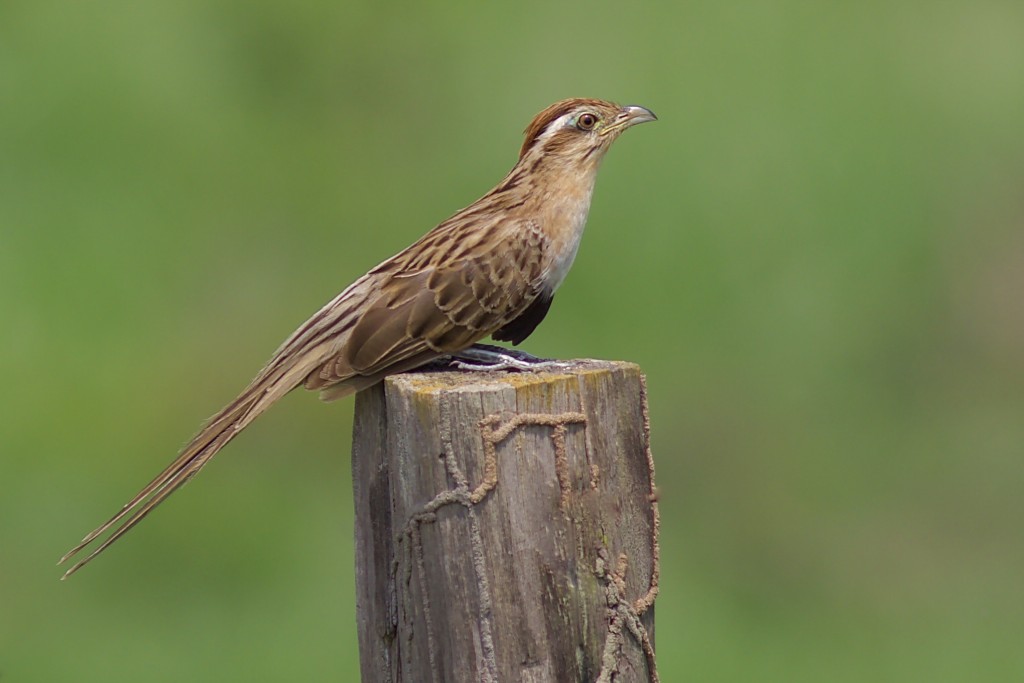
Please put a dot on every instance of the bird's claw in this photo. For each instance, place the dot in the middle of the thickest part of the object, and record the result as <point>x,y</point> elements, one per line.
<point>507,364</point>
<point>487,358</point>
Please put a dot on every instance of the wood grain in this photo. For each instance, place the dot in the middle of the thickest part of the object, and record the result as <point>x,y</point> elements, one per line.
<point>506,526</point>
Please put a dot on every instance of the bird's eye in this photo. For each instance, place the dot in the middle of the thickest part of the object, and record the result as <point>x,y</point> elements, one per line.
<point>586,121</point>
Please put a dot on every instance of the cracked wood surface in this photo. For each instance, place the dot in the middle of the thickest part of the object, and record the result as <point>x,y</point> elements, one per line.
<point>506,526</point>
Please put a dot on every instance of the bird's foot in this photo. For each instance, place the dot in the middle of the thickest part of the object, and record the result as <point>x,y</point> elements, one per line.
<point>485,358</point>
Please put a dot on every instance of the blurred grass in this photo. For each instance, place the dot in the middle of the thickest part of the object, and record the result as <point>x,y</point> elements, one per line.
<point>817,255</point>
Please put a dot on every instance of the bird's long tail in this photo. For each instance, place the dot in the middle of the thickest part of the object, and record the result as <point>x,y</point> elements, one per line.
<point>270,385</point>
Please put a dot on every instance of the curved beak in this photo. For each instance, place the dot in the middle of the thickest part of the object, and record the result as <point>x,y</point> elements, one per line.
<point>630,116</point>
<point>634,115</point>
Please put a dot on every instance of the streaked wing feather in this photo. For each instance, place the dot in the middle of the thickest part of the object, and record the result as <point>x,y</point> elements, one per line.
<point>436,310</point>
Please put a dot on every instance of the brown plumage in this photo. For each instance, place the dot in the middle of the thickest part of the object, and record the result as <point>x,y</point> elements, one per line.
<point>489,270</point>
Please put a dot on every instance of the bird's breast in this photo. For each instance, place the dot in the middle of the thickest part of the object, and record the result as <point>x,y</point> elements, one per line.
<point>563,222</point>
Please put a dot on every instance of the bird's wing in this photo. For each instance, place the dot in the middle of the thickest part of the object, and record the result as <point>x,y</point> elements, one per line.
<point>435,311</point>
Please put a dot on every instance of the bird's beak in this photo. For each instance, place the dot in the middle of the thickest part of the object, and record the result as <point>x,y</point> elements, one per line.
<point>635,115</point>
<point>630,116</point>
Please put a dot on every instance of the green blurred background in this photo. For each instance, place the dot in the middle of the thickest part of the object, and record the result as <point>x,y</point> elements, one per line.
<point>817,255</point>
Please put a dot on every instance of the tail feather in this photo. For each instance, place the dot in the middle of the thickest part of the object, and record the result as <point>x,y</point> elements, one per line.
<point>221,428</point>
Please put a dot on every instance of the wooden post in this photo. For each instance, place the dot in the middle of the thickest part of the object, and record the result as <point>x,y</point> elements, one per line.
<point>506,527</point>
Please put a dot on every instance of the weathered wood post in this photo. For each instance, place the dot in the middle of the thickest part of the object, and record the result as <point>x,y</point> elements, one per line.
<point>506,527</point>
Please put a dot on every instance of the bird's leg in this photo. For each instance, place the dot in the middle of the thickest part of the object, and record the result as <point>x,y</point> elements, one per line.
<point>484,357</point>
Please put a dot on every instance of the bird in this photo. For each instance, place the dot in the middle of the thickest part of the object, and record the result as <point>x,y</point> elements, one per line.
<point>491,269</point>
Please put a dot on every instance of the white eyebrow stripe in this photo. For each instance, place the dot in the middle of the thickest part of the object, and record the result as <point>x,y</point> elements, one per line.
<point>556,125</point>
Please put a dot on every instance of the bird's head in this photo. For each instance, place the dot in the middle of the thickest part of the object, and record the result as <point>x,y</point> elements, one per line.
<point>579,130</point>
